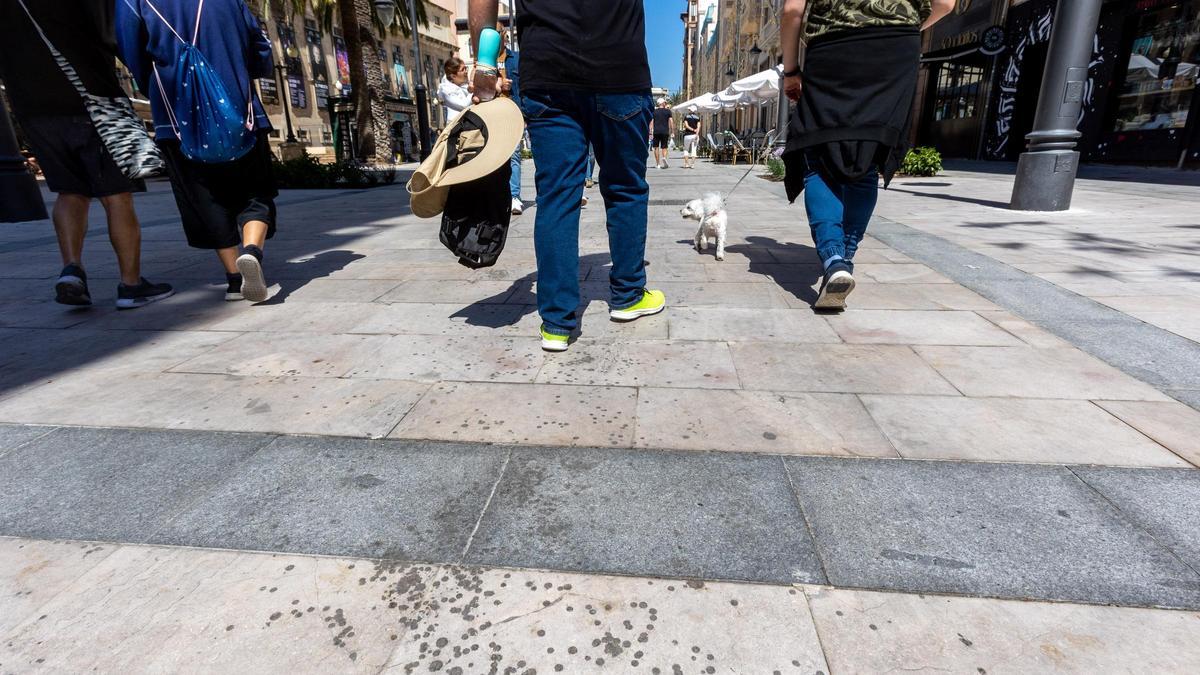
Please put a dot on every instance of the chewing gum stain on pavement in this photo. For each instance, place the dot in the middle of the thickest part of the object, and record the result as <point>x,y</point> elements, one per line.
<point>459,620</point>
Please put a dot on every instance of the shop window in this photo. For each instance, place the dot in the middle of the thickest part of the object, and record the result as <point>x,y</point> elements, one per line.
<point>957,92</point>
<point>1156,91</point>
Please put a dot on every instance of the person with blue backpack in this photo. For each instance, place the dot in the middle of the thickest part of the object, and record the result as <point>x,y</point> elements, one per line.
<point>197,60</point>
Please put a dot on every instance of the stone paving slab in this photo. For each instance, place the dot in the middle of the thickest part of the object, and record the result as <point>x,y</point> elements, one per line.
<point>915,327</point>
<point>344,497</point>
<point>524,414</point>
<point>868,632</point>
<point>620,511</point>
<point>13,436</point>
<point>702,365</point>
<point>964,528</point>
<point>1163,503</point>
<point>758,421</point>
<point>1025,372</point>
<point>33,571</point>
<point>837,368</point>
<point>1012,430</point>
<point>1173,425</point>
<point>112,484</point>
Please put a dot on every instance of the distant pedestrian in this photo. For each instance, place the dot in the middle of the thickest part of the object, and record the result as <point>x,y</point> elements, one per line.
<point>851,120</point>
<point>590,181</point>
<point>215,198</point>
<point>691,137</point>
<point>75,162</point>
<point>585,78</point>
<point>662,128</point>
<point>510,86</point>
<point>452,90</point>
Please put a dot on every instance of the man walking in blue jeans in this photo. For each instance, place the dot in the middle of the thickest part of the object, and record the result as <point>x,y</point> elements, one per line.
<point>585,79</point>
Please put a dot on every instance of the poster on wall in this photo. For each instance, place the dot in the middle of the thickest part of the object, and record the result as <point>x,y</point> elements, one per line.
<point>268,90</point>
<point>1018,76</point>
<point>298,91</point>
<point>343,63</point>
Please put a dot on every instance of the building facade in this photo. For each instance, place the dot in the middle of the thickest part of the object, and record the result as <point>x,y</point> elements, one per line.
<point>978,100</point>
<point>731,39</point>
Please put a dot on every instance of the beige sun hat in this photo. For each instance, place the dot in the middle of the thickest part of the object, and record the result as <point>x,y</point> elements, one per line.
<point>475,144</point>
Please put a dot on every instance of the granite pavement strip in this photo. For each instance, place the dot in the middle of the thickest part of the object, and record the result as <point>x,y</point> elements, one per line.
<point>371,333</point>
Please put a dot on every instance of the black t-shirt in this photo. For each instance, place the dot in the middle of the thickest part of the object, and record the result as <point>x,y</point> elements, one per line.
<point>596,45</point>
<point>662,121</point>
<point>81,30</point>
<point>691,123</point>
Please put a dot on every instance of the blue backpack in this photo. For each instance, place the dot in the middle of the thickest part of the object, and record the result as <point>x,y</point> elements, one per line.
<point>211,129</point>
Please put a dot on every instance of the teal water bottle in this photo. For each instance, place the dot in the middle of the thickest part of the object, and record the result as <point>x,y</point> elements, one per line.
<point>489,47</point>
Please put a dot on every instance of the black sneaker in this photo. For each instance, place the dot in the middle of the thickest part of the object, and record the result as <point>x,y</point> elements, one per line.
<point>72,288</point>
<point>233,291</point>
<point>254,285</point>
<point>838,284</point>
<point>129,297</point>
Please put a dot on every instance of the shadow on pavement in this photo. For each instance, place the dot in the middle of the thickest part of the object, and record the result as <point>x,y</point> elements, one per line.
<point>319,266</point>
<point>521,293</point>
<point>797,276</point>
<point>44,341</point>
<point>953,198</point>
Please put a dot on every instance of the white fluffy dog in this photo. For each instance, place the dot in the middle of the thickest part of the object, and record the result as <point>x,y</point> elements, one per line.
<point>710,211</point>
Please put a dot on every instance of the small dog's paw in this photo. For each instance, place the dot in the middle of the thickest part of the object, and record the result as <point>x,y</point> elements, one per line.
<point>720,258</point>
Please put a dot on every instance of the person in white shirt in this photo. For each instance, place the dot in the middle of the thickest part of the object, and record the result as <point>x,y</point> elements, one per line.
<point>452,91</point>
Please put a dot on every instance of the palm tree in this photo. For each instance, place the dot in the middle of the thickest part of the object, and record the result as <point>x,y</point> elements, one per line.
<point>361,29</point>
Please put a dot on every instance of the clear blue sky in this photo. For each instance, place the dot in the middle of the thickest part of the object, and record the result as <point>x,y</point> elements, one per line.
<point>664,41</point>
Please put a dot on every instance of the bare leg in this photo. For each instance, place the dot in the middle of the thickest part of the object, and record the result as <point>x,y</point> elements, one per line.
<point>70,224</point>
<point>254,233</point>
<point>228,258</point>
<point>125,234</point>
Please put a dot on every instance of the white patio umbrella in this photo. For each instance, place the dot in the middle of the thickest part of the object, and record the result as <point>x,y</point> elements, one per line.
<point>732,99</point>
<point>704,103</point>
<point>760,87</point>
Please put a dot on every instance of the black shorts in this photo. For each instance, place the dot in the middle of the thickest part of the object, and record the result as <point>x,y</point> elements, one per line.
<point>74,159</point>
<point>661,141</point>
<point>216,200</point>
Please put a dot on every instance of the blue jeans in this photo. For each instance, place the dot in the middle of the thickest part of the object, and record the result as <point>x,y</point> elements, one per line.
<point>591,169</point>
<point>838,214</point>
<point>514,182</point>
<point>561,124</point>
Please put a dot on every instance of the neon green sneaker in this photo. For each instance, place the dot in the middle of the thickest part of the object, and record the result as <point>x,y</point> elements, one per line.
<point>554,343</point>
<point>652,302</point>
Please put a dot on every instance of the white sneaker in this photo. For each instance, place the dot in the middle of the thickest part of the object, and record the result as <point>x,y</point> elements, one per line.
<point>517,207</point>
<point>665,165</point>
<point>254,286</point>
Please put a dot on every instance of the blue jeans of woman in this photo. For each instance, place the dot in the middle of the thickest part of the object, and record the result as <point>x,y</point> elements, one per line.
<point>838,213</point>
<point>514,182</point>
<point>561,124</point>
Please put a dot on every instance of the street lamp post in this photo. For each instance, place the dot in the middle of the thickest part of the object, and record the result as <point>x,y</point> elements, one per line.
<point>387,13</point>
<point>422,96</point>
<point>1046,172</point>
<point>287,94</point>
<point>20,197</point>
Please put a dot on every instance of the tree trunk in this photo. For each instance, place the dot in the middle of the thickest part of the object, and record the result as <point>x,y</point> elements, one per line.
<point>366,81</point>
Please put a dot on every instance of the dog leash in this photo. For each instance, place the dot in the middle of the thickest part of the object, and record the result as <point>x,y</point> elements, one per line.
<point>744,176</point>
